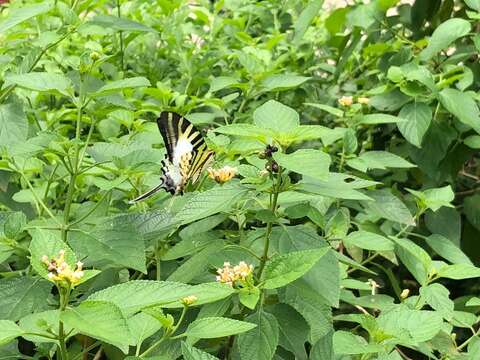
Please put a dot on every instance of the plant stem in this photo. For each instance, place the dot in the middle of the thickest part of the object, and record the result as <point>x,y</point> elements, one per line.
<point>167,335</point>
<point>64,295</point>
<point>273,208</point>
<point>120,33</point>
<point>74,173</point>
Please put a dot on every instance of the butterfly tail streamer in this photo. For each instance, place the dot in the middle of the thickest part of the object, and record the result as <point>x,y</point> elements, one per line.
<point>147,194</point>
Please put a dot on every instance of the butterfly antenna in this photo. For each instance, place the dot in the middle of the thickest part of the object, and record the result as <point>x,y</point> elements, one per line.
<point>147,194</point>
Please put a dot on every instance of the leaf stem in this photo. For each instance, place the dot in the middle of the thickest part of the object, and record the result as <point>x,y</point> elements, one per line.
<point>273,208</point>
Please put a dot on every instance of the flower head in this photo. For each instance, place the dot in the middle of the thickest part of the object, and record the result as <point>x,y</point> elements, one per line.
<point>60,271</point>
<point>363,100</point>
<point>189,300</point>
<point>229,275</point>
<point>346,100</point>
<point>222,175</point>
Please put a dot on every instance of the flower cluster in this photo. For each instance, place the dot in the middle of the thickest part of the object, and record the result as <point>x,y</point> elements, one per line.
<point>59,270</point>
<point>222,175</point>
<point>348,101</point>
<point>229,275</point>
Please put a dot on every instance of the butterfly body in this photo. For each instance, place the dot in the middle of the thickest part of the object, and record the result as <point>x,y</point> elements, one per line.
<point>187,155</point>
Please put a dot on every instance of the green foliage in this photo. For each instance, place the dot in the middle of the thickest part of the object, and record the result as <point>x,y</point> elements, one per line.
<point>349,230</point>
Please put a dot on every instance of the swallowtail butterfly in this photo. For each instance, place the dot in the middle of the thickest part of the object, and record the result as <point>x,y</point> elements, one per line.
<point>187,155</point>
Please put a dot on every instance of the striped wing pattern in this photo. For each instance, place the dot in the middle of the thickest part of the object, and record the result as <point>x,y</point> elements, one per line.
<point>187,154</point>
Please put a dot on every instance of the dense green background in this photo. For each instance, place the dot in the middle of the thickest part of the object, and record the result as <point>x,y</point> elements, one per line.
<point>365,240</point>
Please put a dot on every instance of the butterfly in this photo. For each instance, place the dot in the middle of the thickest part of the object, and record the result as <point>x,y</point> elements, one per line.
<point>187,155</point>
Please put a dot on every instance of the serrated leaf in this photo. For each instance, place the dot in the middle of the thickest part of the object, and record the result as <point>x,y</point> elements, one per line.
<point>459,271</point>
<point>215,327</point>
<point>142,326</point>
<point>330,109</point>
<point>261,342</point>
<point>445,34</point>
<point>434,199</point>
<point>283,269</point>
<point>415,325</point>
<point>41,323</point>
<point>345,342</point>
<point>101,320</point>
<point>388,206</point>
<point>20,296</point>
<point>283,82</point>
<point>192,353</point>
<point>378,160</point>
<point>13,124</point>
<point>48,242</point>
<point>438,297</point>
<point>447,249</point>
<point>43,82</point>
<point>133,296</point>
<point>369,241</point>
<point>462,106</point>
<point>373,119</point>
<point>120,24</point>
<point>119,85</point>
<point>309,162</point>
<point>24,13</point>
<point>276,117</point>
<point>417,260</point>
<point>9,331</point>
<point>210,202</point>
<point>419,117</point>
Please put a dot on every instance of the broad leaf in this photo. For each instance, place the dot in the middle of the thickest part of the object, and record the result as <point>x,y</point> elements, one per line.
<point>447,249</point>
<point>388,206</point>
<point>369,241</point>
<point>459,271</point>
<point>215,327</point>
<point>119,85</point>
<point>13,124</point>
<point>9,331</point>
<point>101,320</point>
<point>275,116</point>
<point>120,24</point>
<point>445,34</point>
<point>309,162</point>
<point>462,106</point>
<point>373,119</point>
<point>345,342</point>
<point>434,199</point>
<point>417,260</point>
<point>418,116</point>
<point>378,160</point>
<point>283,82</point>
<point>42,81</point>
<point>191,353</point>
<point>142,326</point>
<point>24,13</point>
<point>261,342</point>
<point>438,297</point>
<point>284,269</point>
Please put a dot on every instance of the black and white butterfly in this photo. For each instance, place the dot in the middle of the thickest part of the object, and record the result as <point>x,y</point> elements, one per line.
<point>187,155</point>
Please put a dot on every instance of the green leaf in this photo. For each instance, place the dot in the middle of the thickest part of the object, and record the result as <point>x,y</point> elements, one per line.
<point>9,331</point>
<point>309,162</point>
<point>306,17</point>
<point>192,353</point>
<point>415,325</point>
<point>24,13</point>
<point>275,116</point>
<point>48,242</point>
<point>112,243</point>
<point>122,84</point>
<point>462,106</point>
<point>434,199</point>
<point>261,342</point>
<point>374,119</point>
<point>345,342</point>
<point>120,24</point>
<point>330,109</point>
<point>283,269</point>
<point>20,296</point>
<point>283,82</point>
<point>215,327</point>
<point>133,296</point>
<point>293,329</point>
<point>142,326</point>
<point>101,320</point>
<point>472,141</point>
<point>388,206</point>
<point>378,160</point>
<point>419,117</point>
<point>438,297</point>
<point>447,249</point>
<point>459,271</point>
<point>13,124</point>
<point>369,241</point>
<point>417,260</point>
<point>474,4</point>
<point>445,34</point>
<point>42,81</point>
<point>210,202</point>
<point>43,323</point>
<point>323,348</point>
